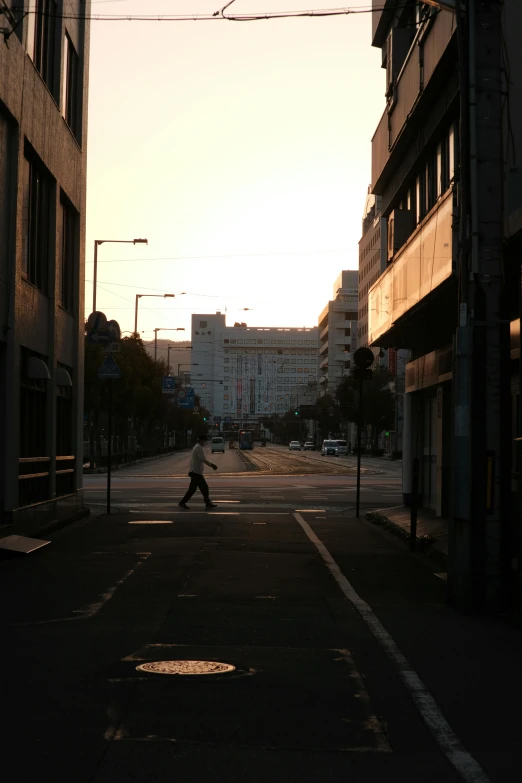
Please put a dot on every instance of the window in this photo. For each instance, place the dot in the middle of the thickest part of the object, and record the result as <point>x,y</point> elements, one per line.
<point>203,324</point>
<point>70,86</point>
<point>64,419</point>
<point>69,254</point>
<point>37,199</point>
<point>420,196</point>
<point>347,332</point>
<point>33,423</point>
<point>431,181</point>
<point>41,39</point>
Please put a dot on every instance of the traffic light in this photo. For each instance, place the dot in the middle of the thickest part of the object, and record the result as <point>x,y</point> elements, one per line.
<point>204,418</point>
<point>296,413</point>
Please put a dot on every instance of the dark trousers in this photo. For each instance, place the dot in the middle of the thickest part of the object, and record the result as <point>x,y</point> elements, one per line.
<point>197,482</point>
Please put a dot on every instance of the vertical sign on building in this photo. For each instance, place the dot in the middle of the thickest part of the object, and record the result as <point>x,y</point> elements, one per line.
<point>252,395</point>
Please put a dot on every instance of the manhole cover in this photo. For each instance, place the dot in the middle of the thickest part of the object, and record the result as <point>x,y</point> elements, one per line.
<point>186,667</point>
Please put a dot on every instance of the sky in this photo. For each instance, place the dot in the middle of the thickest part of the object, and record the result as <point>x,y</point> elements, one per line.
<point>240,150</point>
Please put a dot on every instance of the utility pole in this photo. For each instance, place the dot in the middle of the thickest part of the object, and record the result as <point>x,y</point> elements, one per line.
<point>479,545</point>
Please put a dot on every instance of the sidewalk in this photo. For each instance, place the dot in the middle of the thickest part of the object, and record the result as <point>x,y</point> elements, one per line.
<point>432,531</point>
<point>92,471</point>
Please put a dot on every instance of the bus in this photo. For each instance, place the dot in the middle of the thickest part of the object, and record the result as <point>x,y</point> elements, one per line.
<point>246,439</point>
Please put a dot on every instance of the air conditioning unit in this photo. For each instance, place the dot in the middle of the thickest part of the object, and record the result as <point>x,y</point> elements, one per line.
<point>400,227</point>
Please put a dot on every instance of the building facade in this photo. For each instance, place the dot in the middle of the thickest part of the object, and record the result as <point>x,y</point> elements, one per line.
<point>337,325</point>
<point>447,216</point>
<point>372,259</point>
<point>244,373</point>
<point>43,135</point>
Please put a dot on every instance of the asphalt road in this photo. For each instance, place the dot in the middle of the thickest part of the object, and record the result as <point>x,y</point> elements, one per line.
<point>369,679</point>
<point>265,477</point>
<point>346,664</point>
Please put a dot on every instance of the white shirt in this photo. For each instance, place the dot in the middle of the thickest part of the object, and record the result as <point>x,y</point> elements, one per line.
<point>197,459</point>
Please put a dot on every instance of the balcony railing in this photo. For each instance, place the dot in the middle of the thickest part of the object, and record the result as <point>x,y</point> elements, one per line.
<point>419,268</point>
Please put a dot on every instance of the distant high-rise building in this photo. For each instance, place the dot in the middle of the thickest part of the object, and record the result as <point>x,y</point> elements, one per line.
<point>244,373</point>
<point>337,326</point>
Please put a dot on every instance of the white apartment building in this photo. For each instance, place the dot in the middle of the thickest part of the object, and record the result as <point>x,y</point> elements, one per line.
<point>338,332</point>
<point>244,373</point>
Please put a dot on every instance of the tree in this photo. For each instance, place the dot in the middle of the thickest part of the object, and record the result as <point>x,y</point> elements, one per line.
<point>328,414</point>
<point>378,401</point>
<point>142,414</point>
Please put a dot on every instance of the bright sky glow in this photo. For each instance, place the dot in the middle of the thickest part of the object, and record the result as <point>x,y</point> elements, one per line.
<point>241,150</point>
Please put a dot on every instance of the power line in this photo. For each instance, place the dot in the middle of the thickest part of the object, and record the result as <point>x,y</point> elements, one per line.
<point>205,17</point>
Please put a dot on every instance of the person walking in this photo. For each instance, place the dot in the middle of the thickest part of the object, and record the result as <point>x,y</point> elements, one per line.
<point>197,461</point>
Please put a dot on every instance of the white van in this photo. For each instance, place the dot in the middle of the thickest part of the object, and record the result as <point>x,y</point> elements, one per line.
<point>342,448</point>
<point>217,444</point>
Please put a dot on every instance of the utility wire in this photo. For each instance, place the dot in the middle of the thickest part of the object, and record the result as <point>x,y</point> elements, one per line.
<point>207,17</point>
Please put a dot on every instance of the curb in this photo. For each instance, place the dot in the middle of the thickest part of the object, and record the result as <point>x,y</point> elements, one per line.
<point>424,544</point>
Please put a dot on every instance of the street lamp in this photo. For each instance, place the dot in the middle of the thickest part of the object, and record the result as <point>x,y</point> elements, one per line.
<point>138,297</point>
<point>101,242</point>
<point>164,329</point>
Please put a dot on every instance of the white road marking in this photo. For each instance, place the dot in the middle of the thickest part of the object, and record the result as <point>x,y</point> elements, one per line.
<point>248,513</point>
<point>91,609</point>
<point>150,522</point>
<point>465,764</point>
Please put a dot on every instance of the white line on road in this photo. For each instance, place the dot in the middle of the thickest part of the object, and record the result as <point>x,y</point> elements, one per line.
<point>465,764</point>
<point>91,609</point>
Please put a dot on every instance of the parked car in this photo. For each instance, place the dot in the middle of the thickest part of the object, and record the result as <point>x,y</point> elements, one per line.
<point>294,445</point>
<point>342,448</point>
<point>309,446</point>
<point>217,444</point>
<point>329,447</point>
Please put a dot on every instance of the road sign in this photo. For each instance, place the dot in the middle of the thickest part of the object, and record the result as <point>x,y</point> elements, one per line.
<point>217,418</point>
<point>100,331</point>
<point>168,385</point>
<point>227,419</point>
<point>186,398</point>
<point>114,347</point>
<point>109,369</point>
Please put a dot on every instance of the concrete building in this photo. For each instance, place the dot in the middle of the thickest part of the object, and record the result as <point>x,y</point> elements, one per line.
<point>372,259</point>
<point>337,325</point>
<point>246,373</point>
<point>43,136</point>
<point>435,192</point>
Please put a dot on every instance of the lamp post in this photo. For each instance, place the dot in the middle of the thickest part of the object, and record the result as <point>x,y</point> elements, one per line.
<point>98,242</point>
<point>138,297</point>
<point>164,329</point>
